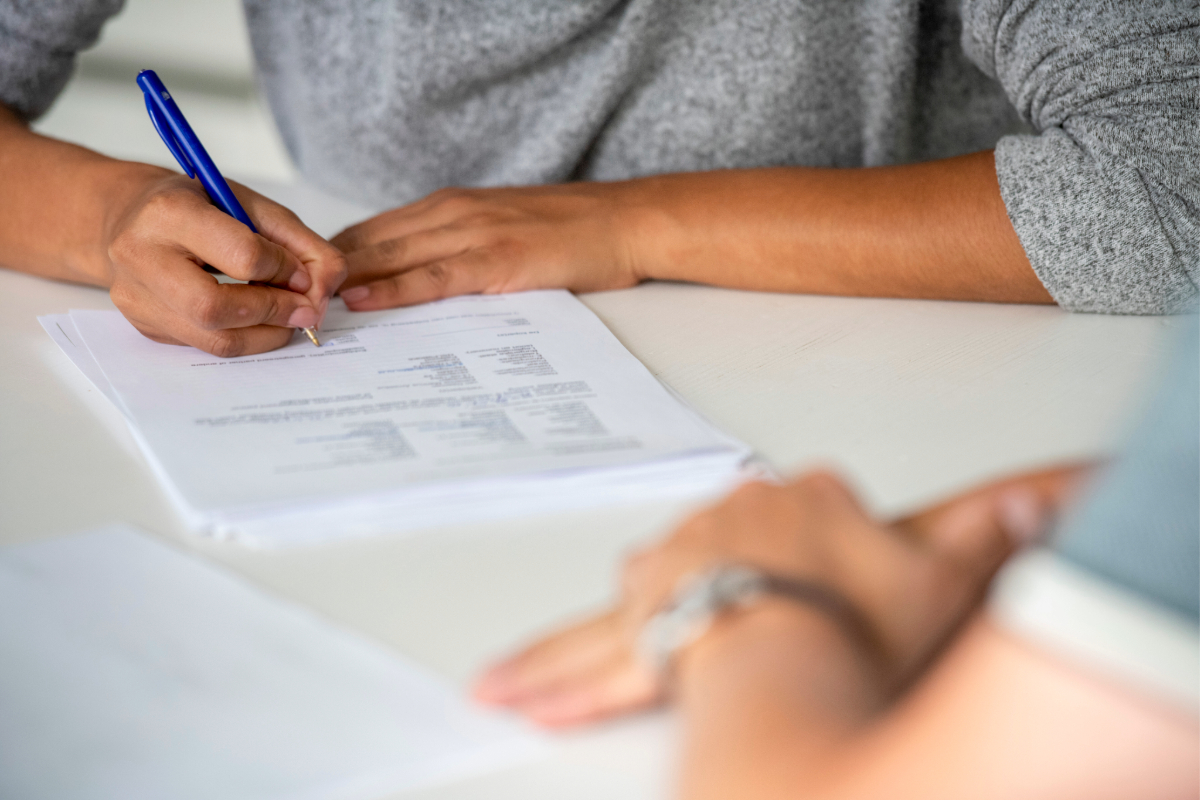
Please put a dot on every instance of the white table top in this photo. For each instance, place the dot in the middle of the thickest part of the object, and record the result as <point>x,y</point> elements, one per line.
<point>913,400</point>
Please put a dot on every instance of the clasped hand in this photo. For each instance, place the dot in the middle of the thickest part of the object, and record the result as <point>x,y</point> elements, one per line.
<point>913,580</point>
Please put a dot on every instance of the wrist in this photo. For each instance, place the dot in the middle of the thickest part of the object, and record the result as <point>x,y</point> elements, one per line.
<point>768,620</point>
<point>776,642</point>
<point>718,227</point>
<point>654,224</point>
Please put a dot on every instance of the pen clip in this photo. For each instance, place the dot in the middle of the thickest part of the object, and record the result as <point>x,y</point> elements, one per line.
<point>168,138</point>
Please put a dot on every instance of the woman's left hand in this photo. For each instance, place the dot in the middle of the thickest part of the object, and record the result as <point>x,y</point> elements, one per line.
<point>576,236</point>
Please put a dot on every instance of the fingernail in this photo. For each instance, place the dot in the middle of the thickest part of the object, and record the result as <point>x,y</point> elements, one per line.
<point>356,294</point>
<point>303,317</point>
<point>1022,514</point>
<point>299,282</point>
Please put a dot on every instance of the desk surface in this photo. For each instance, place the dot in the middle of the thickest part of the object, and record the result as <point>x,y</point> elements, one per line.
<point>912,400</point>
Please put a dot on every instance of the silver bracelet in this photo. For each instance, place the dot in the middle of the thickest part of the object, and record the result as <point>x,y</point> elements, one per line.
<point>701,598</point>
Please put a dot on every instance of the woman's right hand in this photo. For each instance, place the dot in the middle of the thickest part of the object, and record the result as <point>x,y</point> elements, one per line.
<point>158,240</point>
<point>145,233</point>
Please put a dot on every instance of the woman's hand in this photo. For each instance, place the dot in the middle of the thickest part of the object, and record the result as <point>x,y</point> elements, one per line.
<point>469,241</point>
<point>932,230</point>
<point>146,233</point>
<point>913,580</point>
<point>159,243</point>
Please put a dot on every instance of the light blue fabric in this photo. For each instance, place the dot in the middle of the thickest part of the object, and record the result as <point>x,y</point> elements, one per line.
<point>1140,526</point>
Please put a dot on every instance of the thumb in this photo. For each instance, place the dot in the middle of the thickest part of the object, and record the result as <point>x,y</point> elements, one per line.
<point>980,530</point>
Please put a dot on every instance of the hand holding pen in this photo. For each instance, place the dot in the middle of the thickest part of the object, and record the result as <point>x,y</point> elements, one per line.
<point>160,229</point>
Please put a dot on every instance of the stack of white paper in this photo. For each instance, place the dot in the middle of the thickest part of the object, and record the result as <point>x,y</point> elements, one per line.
<point>128,670</point>
<point>466,409</point>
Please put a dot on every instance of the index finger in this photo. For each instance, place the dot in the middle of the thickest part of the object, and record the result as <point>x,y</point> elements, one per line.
<point>438,210</point>
<point>218,239</point>
<point>195,296</point>
<point>322,262</point>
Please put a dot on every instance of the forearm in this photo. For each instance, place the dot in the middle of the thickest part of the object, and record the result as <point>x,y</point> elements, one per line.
<point>995,718</point>
<point>767,702</point>
<point>933,230</point>
<point>55,206</point>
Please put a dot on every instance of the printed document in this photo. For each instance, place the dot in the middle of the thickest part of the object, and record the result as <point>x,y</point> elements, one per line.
<point>469,408</point>
<point>133,671</point>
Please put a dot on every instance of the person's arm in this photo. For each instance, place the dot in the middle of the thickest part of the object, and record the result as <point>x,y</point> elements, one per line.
<point>915,579</point>
<point>783,699</point>
<point>1104,197</point>
<point>775,705</point>
<point>145,233</point>
<point>933,230</point>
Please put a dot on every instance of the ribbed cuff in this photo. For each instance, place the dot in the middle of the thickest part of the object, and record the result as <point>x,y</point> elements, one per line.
<point>1048,600</point>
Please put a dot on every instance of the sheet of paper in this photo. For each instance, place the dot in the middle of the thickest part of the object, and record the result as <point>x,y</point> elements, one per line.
<point>130,670</point>
<point>61,329</point>
<point>434,407</point>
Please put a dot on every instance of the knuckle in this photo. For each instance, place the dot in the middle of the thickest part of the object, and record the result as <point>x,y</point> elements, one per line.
<point>227,344</point>
<point>457,202</point>
<point>160,206</point>
<point>207,310</point>
<point>281,213</point>
<point>438,275</point>
<point>163,209</point>
<point>508,248</point>
<point>339,266</point>
<point>391,250</point>
<point>248,256</point>
<point>385,289</point>
<point>124,247</point>
<point>273,308</point>
<point>122,295</point>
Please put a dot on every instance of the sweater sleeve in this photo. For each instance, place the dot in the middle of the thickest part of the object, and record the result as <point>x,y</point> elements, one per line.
<point>1105,197</point>
<point>38,43</point>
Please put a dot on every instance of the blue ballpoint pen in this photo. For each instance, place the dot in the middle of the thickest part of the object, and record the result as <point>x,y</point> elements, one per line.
<point>183,143</point>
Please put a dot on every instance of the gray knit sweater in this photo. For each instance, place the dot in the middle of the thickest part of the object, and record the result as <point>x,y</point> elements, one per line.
<point>1093,106</point>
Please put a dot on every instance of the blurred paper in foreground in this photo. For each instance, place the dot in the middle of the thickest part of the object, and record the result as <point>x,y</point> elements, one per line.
<point>130,670</point>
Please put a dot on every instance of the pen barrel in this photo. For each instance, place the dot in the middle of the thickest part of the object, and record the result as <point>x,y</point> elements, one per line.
<point>171,122</point>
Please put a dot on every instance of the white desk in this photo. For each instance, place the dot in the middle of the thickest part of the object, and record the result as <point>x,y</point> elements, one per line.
<point>912,399</point>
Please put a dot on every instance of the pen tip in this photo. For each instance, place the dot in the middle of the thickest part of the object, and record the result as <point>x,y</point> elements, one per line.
<point>312,336</point>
